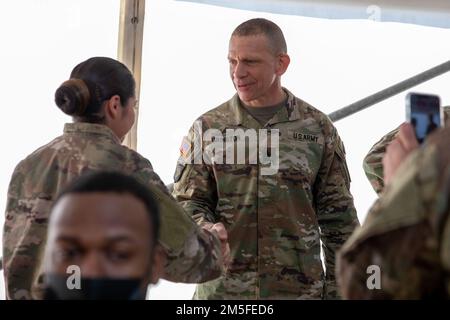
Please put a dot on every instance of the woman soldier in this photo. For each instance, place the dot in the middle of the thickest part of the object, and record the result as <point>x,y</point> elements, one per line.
<point>100,97</point>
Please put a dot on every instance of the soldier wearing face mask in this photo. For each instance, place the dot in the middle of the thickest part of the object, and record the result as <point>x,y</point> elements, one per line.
<point>103,240</point>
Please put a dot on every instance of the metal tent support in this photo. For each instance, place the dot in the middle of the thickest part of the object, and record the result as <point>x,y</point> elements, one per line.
<point>129,52</point>
<point>389,92</point>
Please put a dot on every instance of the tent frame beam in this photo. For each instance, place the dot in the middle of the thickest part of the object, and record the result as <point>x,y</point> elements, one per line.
<point>389,92</point>
<point>129,51</point>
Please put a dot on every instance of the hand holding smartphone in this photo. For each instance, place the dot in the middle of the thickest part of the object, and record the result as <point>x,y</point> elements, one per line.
<point>424,112</point>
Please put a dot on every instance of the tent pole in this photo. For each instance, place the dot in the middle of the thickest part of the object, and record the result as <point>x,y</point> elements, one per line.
<point>129,52</point>
<point>389,92</point>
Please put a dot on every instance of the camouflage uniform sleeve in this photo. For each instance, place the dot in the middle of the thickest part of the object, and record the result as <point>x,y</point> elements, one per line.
<point>445,254</point>
<point>373,162</point>
<point>195,187</point>
<point>193,253</point>
<point>394,254</point>
<point>24,234</point>
<point>334,205</point>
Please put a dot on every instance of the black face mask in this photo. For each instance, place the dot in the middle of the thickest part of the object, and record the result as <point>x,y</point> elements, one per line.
<point>94,289</point>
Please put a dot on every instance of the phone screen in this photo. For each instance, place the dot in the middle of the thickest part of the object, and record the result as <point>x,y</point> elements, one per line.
<point>424,114</point>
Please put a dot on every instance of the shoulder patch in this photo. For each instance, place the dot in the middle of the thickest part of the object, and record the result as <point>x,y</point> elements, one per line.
<point>185,148</point>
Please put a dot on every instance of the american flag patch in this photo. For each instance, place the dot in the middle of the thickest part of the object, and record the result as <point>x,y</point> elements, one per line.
<point>185,148</point>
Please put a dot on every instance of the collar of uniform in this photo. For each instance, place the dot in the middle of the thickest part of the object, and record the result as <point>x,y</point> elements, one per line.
<point>291,112</point>
<point>241,117</point>
<point>90,128</point>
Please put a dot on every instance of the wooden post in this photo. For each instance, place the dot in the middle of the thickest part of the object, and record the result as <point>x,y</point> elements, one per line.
<point>131,33</point>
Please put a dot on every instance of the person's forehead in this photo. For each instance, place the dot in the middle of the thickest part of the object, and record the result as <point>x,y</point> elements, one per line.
<point>99,212</point>
<point>101,239</point>
<point>251,44</point>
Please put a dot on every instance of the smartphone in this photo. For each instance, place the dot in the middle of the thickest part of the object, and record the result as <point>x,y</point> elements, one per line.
<point>424,112</point>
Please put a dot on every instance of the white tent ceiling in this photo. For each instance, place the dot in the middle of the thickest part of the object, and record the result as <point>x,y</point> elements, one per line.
<point>435,13</point>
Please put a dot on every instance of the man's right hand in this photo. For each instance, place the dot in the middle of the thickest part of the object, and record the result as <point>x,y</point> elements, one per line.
<point>222,234</point>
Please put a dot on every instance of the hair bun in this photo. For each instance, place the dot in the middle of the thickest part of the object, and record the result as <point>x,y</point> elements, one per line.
<point>73,97</point>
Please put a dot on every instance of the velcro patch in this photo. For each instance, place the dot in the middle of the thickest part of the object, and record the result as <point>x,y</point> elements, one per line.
<point>185,148</point>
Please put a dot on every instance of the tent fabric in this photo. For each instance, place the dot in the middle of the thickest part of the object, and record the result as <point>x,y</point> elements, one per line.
<point>433,13</point>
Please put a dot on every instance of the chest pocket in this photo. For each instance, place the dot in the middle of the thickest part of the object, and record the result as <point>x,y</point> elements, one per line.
<point>300,157</point>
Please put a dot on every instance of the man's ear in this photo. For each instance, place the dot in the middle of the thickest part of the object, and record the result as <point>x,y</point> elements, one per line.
<point>113,107</point>
<point>283,63</point>
<point>159,261</point>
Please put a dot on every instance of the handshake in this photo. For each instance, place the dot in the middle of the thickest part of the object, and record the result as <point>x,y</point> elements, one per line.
<point>222,234</point>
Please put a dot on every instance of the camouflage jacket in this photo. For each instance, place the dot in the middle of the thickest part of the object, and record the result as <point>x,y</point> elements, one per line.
<point>193,253</point>
<point>276,219</point>
<point>373,162</point>
<point>405,239</point>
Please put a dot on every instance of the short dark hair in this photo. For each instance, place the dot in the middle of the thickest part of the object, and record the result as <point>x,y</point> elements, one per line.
<point>108,181</point>
<point>260,26</point>
<point>91,83</point>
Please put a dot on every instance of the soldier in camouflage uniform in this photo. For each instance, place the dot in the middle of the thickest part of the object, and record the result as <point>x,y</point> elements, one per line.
<point>93,97</point>
<point>406,235</point>
<point>276,221</point>
<point>372,164</point>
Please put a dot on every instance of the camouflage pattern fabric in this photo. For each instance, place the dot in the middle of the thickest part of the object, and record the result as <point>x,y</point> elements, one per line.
<point>275,222</point>
<point>406,233</point>
<point>373,162</point>
<point>193,254</point>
